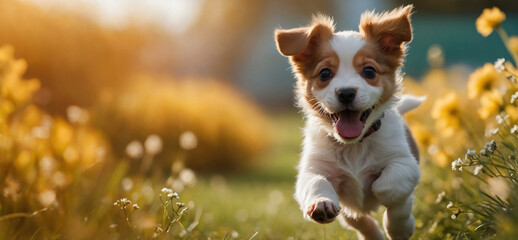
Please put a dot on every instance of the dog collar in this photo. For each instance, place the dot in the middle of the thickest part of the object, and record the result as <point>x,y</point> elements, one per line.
<point>374,127</point>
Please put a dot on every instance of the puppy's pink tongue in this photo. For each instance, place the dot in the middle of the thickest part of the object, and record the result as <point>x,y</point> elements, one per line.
<point>349,124</point>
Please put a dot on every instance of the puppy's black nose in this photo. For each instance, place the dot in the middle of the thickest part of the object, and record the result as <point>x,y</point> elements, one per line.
<point>346,95</point>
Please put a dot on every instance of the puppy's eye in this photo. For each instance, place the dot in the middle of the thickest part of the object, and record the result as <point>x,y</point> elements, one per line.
<point>369,73</point>
<point>326,74</point>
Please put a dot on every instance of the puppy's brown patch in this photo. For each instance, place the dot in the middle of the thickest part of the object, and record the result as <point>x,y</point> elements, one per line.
<point>385,35</point>
<point>310,51</point>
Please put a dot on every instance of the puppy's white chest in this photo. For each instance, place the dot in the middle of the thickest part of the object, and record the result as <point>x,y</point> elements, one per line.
<point>356,168</point>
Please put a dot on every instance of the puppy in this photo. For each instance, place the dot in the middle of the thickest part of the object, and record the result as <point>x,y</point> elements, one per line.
<point>357,151</point>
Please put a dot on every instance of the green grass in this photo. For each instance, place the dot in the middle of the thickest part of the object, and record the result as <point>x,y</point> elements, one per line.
<point>260,199</point>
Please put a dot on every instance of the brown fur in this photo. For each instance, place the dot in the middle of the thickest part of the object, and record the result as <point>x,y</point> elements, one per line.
<point>389,31</point>
<point>385,35</point>
<point>310,51</point>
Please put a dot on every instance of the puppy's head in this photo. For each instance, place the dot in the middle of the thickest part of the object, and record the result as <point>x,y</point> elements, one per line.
<point>345,79</point>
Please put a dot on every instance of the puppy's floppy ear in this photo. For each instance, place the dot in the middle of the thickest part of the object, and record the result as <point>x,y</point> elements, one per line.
<point>390,29</point>
<point>301,43</point>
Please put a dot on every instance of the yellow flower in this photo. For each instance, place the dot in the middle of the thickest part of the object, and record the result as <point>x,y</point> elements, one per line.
<point>446,112</point>
<point>490,104</point>
<point>513,44</point>
<point>489,20</point>
<point>512,111</point>
<point>441,158</point>
<point>61,136</point>
<point>482,80</point>
<point>423,136</point>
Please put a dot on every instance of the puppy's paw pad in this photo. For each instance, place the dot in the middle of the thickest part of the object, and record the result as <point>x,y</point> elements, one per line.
<point>323,211</point>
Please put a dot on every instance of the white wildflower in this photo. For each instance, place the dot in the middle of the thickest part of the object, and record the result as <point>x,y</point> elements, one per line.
<point>122,203</point>
<point>153,144</point>
<point>76,114</point>
<point>47,197</point>
<point>514,97</point>
<point>453,216</point>
<point>188,177</point>
<point>499,65</point>
<point>440,196</point>
<point>450,204</point>
<point>134,149</point>
<point>136,206</point>
<point>234,234</point>
<point>470,153</point>
<point>477,169</point>
<point>188,140</point>
<point>490,146</point>
<point>127,184</point>
<point>456,165</point>
<point>501,118</point>
<point>167,190</point>
<point>495,131</point>
<point>514,129</point>
<point>483,152</point>
<point>170,193</point>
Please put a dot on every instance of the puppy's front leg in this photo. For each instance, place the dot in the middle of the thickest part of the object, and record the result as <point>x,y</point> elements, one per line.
<point>394,190</point>
<point>317,198</point>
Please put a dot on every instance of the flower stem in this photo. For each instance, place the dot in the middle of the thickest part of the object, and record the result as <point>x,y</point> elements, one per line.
<point>505,39</point>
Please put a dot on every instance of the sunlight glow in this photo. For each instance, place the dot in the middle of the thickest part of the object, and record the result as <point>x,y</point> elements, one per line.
<point>174,15</point>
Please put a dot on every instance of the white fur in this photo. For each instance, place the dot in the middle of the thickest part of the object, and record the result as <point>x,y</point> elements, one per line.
<point>357,176</point>
<point>409,102</point>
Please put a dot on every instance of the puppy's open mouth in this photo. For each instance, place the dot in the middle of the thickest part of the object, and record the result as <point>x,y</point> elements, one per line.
<point>350,123</point>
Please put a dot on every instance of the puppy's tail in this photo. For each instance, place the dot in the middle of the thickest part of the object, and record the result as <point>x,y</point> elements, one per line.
<point>408,102</point>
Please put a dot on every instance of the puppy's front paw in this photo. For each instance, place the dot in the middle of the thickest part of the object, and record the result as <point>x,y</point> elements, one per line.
<point>323,211</point>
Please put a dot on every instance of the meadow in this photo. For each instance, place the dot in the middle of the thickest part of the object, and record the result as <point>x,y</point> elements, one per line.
<point>146,157</point>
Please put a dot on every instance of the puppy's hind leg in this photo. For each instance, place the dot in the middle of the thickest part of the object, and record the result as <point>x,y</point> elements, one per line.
<point>365,226</point>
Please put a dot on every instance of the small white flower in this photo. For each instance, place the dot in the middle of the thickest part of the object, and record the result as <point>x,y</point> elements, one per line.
<point>514,129</point>
<point>440,196</point>
<point>483,152</point>
<point>499,65</point>
<point>153,144</point>
<point>167,190</point>
<point>123,202</point>
<point>514,97</point>
<point>76,114</point>
<point>234,234</point>
<point>188,140</point>
<point>477,169</point>
<point>456,165</point>
<point>491,146</point>
<point>188,177</point>
<point>501,118</point>
<point>470,153</point>
<point>453,216</point>
<point>136,206</point>
<point>450,204</point>
<point>173,195</point>
<point>495,131</point>
<point>170,193</point>
<point>134,149</point>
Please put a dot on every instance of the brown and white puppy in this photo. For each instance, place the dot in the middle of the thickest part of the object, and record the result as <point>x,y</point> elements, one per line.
<point>357,152</point>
